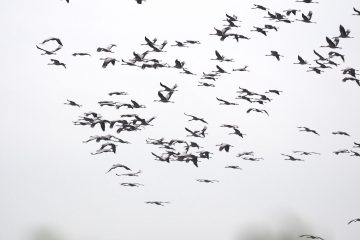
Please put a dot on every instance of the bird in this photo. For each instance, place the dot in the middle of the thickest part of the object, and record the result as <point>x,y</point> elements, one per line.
<point>169,89</point>
<point>301,61</point>
<point>357,12</point>
<point>221,58</point>
<point>306,18</point>
<point>224,102</point>
<point>306,129</point>
<point>178,64</point>
<point>165,158</point>
<point>57,40</point>
<point>72,103</point>
<point>179,44</point>
<point>291,158</point>
<point>291,11</point>
<point>341,133</point>
<point>336,54</point>
<point>252,159</point>
<point>131,184</point>
<point>220,70</point>
<point>207,181</point>
<point>306,1</point>
<point>158,203</point>
<point>256,6</point>
<point>186,71</point>
<point>137,105</point>
<point>118,165</point>
<point>275,54</point>
<point>106,49</point>
<point>237,132</point>
<point>234,167</point>
<point>341,151</point>
<point>57,63</point>
<point>274,91</point>
<point>260,30</point>
<point>257,110</point>
<point>332,44</point>
<point>192,41</point>
<point>204,84</point>
<point>356,145</point>
<point>193,133</point>
<point>135,174</point>
<point>117,93</point>
<point>164,99</point>
<point>243,69</point>
<point>311,237</point>
<point>343,32</point>
<point>108,60</point>
<point>306,153</point>
<point>224,146</point>
<point>245,154</point>
<point>354,220</point>
<point>204,154</point>
<point>194,118</point>
<point>81,54</point>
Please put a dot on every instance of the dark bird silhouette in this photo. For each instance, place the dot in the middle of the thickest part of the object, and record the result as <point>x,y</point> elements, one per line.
<point>135,174</point>
<point>72,103</point>
<point>179,44</point>
<point>178,64</point>
<point>260,30</point>
<point>165,99</point>
<point>315,69</point>
<point>311,237</point>
<point>224,146</point>
<point>106,49</point>
<point>118,165</point>
<point>194,118</point>
<point>344,33</point>
<point>356,219</point>
<point>245,154</point>
<point>57,40</point>
<point>275,54</point>
<point>291,11</point>
<point>186,71</point>
<point>320,57</point>
<point>57,63</point>
<point>256,6</point>
<point>108,60</point>
<point>204,154</point>
<point>224,102</point>
<point>274,91</point>
<point>131,184</point>
<point>204,84</point>
<point>332,44</point>
<point>341,133</point>
<point>301,61</point>
<point>81,54</point>
<point>118,93</point>
<point>220,70</point>
<point>221,58</point>
<point>192,41</point>
<point>356,145</point>
<point>306,18</point>
<point>257,110</point>
<point>237,132</point>
<point>306,153</point>
<point>207,181</point>
<point>341,151</point>
<point>243,69</point>
<point>291,158</point>
<point>158,203</point>
<point>306,1</point>
<point>234,167</point>
<point>336,54</point>
<point>306,129</point>
<point>164,158</point>
<point>140,1</point>
<point>270,27</point>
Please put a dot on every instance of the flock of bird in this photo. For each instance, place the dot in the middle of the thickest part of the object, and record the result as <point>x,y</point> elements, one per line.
<point>187,150</point>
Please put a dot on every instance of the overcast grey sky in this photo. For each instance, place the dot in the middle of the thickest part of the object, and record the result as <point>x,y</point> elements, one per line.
<point>51,185</point>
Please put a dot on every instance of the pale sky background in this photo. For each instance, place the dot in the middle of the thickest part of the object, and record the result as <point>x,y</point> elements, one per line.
<point>51,188</point>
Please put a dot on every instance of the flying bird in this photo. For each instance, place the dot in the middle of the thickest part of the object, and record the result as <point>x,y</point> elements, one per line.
<point>115,166</point>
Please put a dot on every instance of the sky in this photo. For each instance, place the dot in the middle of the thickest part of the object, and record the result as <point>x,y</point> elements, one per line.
<point>52,188</point>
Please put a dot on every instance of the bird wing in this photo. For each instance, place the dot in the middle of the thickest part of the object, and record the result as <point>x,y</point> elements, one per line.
<point>357,11</point>
<point>221,100</point>
<point>342,30</point>
<point>218,55</point>
<point>188,130</point>
<point>219,68</point>
<point>161,96</point>
<point>300,59</point>
<point>331,43</point>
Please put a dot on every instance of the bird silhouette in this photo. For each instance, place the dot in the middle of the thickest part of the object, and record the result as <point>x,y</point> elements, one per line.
<point>207,181</point>
<point>224,146</point>
<point>301,61</point>
<point>341,133</point>
<point>357,12</point>
<point>81,54</point>
<point>106,49</point>
<point>311,237</point>
<point>72,103</point>
<point>158,203</point>
<point>118,165</point>
<point>131,184</point>
<point>275,54</point>
<point>108,60</point>
<point>194,118</point>
<point>291,158</point>
<point>165,99</point>
<point>57,63</point>
<point>306,129</point>
<point>234,167</point>
<point>306,18</point>
<point>224,102</point>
